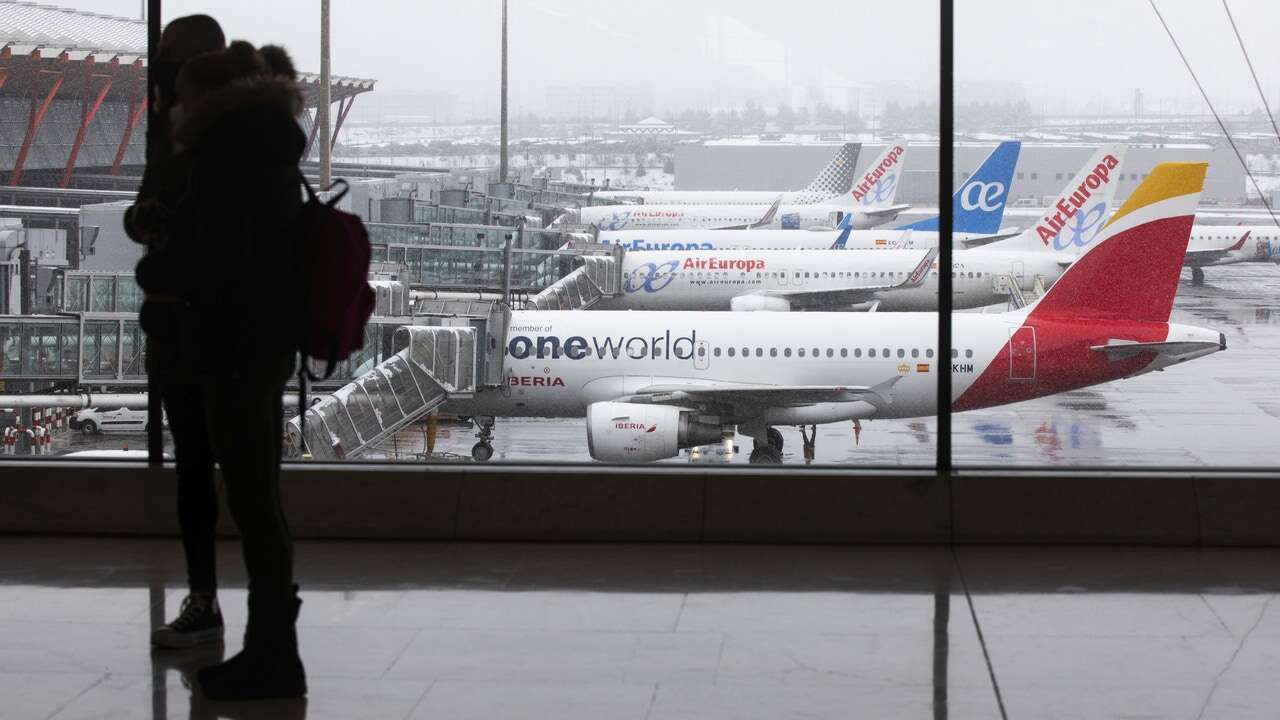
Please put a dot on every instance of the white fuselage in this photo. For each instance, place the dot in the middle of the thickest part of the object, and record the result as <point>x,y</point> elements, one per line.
<point>1262,245</point>
<point>674,217</point>
<point>763,239</point>
<point>559,362</point>
<point>713,197</point>
<point>710,280</point>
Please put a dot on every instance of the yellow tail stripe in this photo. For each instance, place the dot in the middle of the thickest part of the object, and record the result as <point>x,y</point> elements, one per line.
<point>1167,180</point>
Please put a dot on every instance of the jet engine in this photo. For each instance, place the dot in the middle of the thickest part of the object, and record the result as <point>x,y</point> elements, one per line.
<point>635,432</point>
<point>757,303</point>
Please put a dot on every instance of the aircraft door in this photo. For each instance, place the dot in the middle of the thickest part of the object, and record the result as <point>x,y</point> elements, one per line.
<point>1018,271</point>
<point>701,355</point>
<point>1022,354</point>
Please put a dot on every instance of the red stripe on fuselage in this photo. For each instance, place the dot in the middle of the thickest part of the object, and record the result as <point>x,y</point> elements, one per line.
<point>1120,290</point>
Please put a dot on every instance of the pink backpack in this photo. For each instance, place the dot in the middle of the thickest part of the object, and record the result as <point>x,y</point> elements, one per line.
<point>336,298</point>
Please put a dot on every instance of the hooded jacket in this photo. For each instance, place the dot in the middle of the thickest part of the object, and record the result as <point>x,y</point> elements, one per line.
<point>235,235</point>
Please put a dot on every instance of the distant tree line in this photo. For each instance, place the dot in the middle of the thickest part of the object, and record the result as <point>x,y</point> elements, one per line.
<point>923,117</point>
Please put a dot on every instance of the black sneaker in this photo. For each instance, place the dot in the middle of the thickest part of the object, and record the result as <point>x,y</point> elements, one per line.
<point>199,622</point>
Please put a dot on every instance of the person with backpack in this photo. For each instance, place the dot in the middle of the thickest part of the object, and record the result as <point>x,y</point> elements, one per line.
<point>149,221</point>
<point>236,264</point>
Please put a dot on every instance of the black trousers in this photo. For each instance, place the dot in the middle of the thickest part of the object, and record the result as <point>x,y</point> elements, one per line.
<point>245,418</point>
<point>197,496</point>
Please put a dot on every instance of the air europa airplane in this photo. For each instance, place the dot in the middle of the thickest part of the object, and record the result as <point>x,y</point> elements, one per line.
<point>869,203</point>
<point>835,179</point>
<point>651,384</point>
<point>978,212</point>
<point>899,279</point>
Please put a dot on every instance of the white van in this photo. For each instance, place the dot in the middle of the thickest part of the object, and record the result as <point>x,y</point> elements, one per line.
<point>92,421</point>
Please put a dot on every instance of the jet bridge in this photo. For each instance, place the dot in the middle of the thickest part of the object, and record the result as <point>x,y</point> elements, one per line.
<point>457,351</point>
<point>599,276</point>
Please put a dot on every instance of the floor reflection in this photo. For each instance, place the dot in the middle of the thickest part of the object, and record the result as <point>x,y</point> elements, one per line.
<point>665,632</point>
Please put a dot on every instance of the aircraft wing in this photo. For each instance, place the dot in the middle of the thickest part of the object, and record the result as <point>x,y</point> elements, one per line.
<point>839,297</point>
<point>764,221</point>
<point>988,239</point>
<point>888,213</point>
<point>1198,258</point>
<point>758,395</point>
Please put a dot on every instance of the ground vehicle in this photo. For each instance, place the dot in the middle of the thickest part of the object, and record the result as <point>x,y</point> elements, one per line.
<point>94,421</point>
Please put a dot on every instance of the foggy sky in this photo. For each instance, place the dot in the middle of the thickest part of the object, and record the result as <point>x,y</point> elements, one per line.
<point>1081,57</point>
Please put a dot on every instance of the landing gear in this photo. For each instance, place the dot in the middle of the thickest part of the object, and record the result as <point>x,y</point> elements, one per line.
<point>1197,276</point>
<point>483,450</point>
<point>775,438</point>
<point>770,452</point>
<point>766,455</point>
<point>810,439</point>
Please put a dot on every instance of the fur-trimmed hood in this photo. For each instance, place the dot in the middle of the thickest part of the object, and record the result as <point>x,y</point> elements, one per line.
<point>271,94</point>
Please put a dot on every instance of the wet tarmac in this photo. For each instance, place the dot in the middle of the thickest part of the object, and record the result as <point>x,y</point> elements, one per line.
<point>1221,410</point>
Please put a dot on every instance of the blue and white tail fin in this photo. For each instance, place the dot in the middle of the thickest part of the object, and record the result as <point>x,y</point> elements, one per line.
<point>1079,212</point>
<point>878,185</point>
<point>978,205</point>
<point>835,179</point>
<point>845,227</point>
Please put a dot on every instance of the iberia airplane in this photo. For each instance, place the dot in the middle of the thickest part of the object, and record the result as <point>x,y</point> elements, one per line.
<point>651,384</point>
<point>835,179</point>
<point>870,203</point>
<point>893,280</point>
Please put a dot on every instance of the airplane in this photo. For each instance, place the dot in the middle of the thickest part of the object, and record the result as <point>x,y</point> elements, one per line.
<point>869,203</point>
<point>834,179</point>
<point>896,280</point>
<point>651,384</point>
<point>979,208</point>
<point>1253,243</point>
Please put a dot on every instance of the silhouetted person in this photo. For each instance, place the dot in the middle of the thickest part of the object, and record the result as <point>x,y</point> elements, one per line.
<point>235,258</point>
<point>150,221</point>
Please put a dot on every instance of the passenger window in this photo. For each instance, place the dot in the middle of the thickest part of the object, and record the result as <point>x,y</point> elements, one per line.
<point>716,352</point>
<point>759,352</point>
<point>886,352</point>
<point>915,352</point>
<point>928,352</point>
<point>815,352</point>
<point>968,353</point>
<point>731,354</point>
<point>702,352</point>
<point>831,353</point>
<point>773,352</point>
<point>902,353</point>
<point>746,352</point>
<point>844,352</point>
<point>871,352</point>
<point>786,352</point>
<point>800,352</point>
<point>954,353</point>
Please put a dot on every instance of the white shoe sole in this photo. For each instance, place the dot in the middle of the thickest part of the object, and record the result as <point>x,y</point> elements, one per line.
<point>174,640</point>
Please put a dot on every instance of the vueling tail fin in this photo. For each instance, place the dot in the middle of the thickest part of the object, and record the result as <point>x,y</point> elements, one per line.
<point>836,178</point>
<point>878,184</point>
<point>978,205</point>
<point>1078,214</point>
<point>1131,271</point>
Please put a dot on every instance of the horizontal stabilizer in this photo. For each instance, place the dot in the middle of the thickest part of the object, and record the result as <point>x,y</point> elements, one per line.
<point>1121,349</point>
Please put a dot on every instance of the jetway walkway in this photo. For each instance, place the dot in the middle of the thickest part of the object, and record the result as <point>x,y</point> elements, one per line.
<point>599,276</point>
<point>453,358</point>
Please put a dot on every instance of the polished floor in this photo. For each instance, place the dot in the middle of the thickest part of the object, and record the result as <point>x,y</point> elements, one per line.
<point>663,632</point>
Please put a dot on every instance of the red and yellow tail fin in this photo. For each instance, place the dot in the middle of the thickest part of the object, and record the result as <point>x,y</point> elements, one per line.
<point>1131,271</point>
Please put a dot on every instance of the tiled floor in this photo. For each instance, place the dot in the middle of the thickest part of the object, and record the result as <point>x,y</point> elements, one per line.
<point>559,632</point>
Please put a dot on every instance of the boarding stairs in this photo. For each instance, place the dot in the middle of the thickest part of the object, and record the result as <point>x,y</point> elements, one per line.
<point>599,276</point>
<point>456,352</point>
<point>1008,284</point>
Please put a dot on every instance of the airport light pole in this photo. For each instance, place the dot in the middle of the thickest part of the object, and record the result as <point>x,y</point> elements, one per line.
<point>502,121</point>
<point>322,110</point>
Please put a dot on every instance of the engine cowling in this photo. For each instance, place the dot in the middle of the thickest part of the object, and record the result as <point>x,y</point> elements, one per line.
<point>759,303</point>
<point>637,432</point>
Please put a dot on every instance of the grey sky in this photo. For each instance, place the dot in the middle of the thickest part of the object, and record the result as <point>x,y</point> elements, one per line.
<point>1082,56</point>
